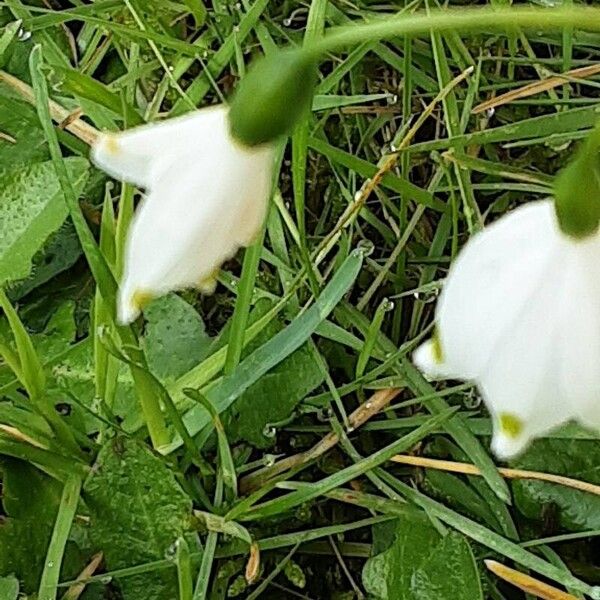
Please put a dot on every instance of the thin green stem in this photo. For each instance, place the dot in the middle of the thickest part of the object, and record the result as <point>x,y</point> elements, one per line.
<point>460,19</point>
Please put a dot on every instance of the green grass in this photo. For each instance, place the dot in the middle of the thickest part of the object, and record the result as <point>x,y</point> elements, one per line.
<point>176,445</point>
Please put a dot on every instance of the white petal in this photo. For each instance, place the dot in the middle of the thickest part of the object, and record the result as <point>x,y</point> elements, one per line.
<point>427,358</point>
<point>579,344</point>
<point>196,216</point>
<point>490,282</point>
<point>520,383</point>
<point>140,155</point>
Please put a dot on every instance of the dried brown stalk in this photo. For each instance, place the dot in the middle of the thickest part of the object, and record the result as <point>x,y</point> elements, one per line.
<point>537,87</point>
<point>528,584</point>
<point>469,469</point>
<point>377,402</point>
<point>79,128</point>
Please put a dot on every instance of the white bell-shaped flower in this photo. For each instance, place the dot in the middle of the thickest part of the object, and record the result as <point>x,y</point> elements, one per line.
<point>519,315</point>
<point>206,196</point>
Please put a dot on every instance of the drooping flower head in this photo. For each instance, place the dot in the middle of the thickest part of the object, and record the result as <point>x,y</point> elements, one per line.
<point>519,315</point>
<point>206,196</point>
<point>207,177</point>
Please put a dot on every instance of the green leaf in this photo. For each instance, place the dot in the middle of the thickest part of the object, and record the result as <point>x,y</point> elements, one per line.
<point>279,347</point>
<point>137,512</point>
<point>19,121</point>
<point>60,252</point>
<point>275,395</point>
<point>578,511</point>
<point>31,208</point>
<point>9,588</point>
<point>175,339</point>
<point>413,561</point>
<point>26,532</point>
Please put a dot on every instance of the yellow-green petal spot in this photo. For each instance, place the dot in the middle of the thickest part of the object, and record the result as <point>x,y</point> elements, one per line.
<point>273,96</point>
<point>510,425</point>
<point>436,348</point>
<point>141,298</point>
<point>577,190</point>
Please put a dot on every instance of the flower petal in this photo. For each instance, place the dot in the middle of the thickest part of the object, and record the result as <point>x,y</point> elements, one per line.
<point>428,357</point>
<point>490,283</point>
<point>520,383</point>
<point>579,345</point>
<point>140,155</point>
<point>194,218</point>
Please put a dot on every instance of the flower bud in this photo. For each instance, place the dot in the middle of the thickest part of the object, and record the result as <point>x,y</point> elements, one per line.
<point>274,95</point>
<point>577,190</point>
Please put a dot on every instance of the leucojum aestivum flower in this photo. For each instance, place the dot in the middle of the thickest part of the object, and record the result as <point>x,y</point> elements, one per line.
<point>207,179</point>
<point>519,313</point>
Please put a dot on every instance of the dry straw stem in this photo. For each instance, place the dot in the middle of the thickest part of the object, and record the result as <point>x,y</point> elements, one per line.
<point>386,165</point>
<point>537,87</point>
<point>18,435</point>
<point>75,591</point>
<point>469,469</point>
<point>528,584</point>
<point>377,402</point>
<point>66,119</point>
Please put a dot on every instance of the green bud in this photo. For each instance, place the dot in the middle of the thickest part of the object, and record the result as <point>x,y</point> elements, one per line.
<point>273,96</point>
<point>577,190</point>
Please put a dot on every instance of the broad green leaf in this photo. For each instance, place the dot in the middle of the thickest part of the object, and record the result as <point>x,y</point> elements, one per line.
<point>275,395</point>
<point>413,561</point>
<point>60,251</point>
<point>19,121</point>
<point>31,209</point>
<point>137,513</point>
<point>9,588</point>
<point>27,529</point>
<point>175,339</point>
<point>578,511</point>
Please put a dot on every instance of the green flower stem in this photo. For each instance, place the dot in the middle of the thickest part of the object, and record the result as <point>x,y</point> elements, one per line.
<point>460,19</point>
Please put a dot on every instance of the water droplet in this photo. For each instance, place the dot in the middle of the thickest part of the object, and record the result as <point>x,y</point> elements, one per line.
<point>365,247</point>
<point>287,22</point>
<point>358,196</point>
<point>472,400</point>
<point>23,35</point>
<point>324,414</point>
<point>387,305</point>
<point>171,68</point>
<point>171,551</point>
<point>368,404</point>
<point>269,431</point>
<point>393,148</point>
<point>50,565</point>
<point>426,296</point>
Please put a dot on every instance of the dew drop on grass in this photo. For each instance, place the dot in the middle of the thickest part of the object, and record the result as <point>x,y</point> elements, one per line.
<point>23,35</point>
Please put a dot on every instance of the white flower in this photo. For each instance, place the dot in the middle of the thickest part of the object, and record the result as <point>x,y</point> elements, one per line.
<point>519,315</point>
<point>206,195</point>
